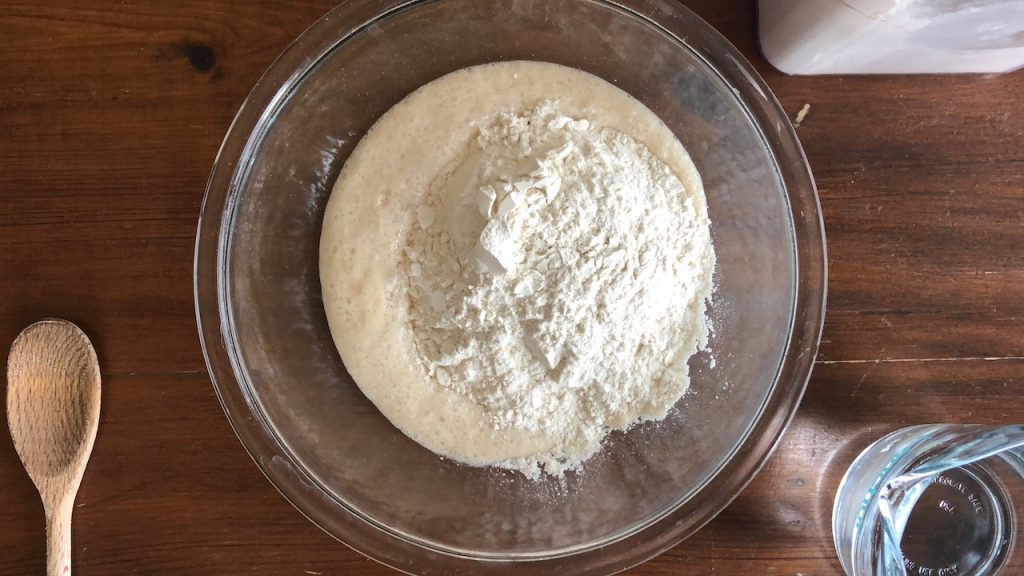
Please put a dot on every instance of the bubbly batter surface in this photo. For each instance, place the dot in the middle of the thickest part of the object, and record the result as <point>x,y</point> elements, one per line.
<point>375,206</point>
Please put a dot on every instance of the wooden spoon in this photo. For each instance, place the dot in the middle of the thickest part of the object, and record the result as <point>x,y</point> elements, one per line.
<point>53,409</point>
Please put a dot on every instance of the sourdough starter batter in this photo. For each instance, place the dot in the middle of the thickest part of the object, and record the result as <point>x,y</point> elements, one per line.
<point>515,260</point>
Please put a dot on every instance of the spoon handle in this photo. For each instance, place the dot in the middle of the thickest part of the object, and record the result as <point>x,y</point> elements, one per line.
<point>58,539</point>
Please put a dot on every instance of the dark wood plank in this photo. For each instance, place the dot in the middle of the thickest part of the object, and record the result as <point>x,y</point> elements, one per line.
<point>111,114</point>
<point>170,491</point>
<point>922,192</point>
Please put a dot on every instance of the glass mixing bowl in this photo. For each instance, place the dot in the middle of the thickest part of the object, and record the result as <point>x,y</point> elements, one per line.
<point>326,447</point>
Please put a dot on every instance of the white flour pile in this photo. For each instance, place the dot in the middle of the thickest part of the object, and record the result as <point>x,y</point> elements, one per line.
<point>557,278</point>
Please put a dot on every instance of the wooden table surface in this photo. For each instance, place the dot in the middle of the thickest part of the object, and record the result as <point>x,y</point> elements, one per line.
<point>111,114</point>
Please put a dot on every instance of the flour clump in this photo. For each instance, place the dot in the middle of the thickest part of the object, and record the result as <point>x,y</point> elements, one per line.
<point>558,274</point>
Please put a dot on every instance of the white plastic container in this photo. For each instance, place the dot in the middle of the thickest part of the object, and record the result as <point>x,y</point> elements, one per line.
<point>892,36</point>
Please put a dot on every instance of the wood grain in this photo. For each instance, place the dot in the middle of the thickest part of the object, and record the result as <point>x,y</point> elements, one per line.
<point>202,507</point>
<point>111,114</point>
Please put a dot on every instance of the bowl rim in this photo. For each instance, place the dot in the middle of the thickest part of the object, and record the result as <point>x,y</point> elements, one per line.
<point>364,535</point>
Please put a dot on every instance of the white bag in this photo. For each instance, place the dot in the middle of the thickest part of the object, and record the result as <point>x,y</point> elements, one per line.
<point>892,36</point>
